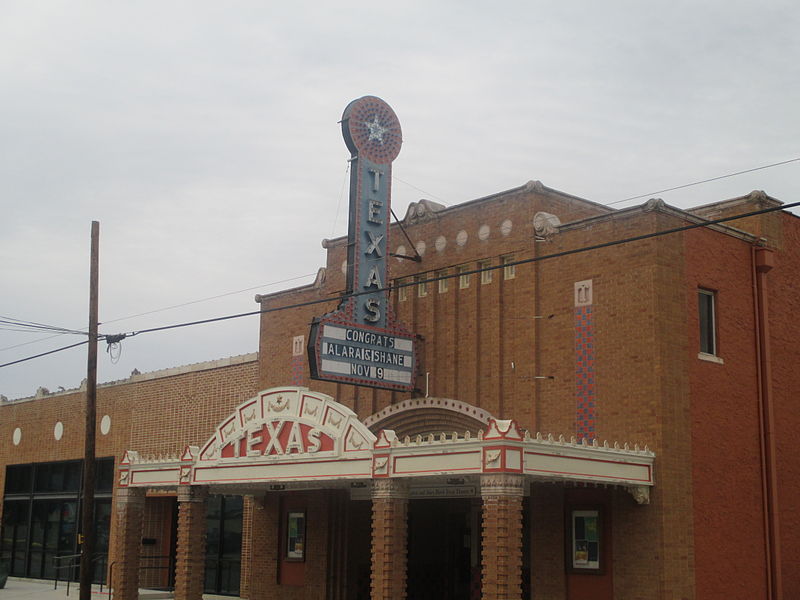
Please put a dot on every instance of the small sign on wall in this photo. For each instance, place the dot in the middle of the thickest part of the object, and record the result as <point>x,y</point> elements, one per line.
<point>295,535</point>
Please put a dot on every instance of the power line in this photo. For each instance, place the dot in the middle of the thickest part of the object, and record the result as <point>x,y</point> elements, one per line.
<point>703,223</point>
<point>342,297</point>
<point>33,325</point>
<point>249,289</point>
<point>44,354</point>
<point>685,185</point>
<point>150,312</point>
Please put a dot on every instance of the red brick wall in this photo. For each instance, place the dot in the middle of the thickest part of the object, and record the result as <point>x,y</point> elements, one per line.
<point>726,468</point>
<point>784,304</point>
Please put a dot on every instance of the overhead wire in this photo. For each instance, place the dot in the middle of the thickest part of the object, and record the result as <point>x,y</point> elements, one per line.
<point>78,332</point>
<point>686,185</point>
<point>343,297</point>
<point>702,223</point>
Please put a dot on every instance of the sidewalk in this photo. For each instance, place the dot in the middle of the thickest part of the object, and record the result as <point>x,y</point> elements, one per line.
<point>31,589</point>
<point>27,589</point>
<point>34,589</point>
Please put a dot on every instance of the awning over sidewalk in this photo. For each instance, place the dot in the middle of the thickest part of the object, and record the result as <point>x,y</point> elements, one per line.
<point>292,435</point>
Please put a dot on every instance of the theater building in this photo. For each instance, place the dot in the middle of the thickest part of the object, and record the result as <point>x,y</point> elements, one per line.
<point>561,401</point>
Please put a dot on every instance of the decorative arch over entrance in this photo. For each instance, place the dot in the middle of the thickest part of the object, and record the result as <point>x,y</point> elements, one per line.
<point>425,416</point>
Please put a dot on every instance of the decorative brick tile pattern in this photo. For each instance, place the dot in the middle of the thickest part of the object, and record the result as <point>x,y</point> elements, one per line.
<point>298,364</point>
<point>585,374</point>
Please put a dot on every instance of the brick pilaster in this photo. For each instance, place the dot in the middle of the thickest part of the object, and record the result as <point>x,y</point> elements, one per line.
<point>389,539</point>
<point>191,546</point>
<point>264,515</point>
<point>501,567</point>
<point>247,546</point>
<point>127,539</point>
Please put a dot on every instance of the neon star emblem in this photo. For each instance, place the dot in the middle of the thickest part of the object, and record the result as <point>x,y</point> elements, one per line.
<point>376,130</point>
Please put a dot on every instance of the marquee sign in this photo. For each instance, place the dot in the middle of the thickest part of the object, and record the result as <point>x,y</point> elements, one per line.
<point>294,438</point>
<point>360,342</point>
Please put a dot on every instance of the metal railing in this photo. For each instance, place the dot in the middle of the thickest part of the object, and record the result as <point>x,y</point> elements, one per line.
<point>73,562</point>
<point>170,585</point>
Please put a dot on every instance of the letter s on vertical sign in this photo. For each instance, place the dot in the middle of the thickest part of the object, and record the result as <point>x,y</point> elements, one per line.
<point>373,307</point>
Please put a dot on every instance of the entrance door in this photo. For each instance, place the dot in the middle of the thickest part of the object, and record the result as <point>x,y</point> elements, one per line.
<point>443,549</point>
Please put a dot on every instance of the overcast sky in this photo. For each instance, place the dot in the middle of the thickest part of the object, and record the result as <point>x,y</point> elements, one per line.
<point>204,138</point>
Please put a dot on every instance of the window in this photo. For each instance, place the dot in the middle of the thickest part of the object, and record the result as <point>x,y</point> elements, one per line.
<point>486,274</point>
<point>585,541</point>
<point>223,544</point>
<point>42,504</point>
<point>463,277</point>
<point>708,322</point>
<point>444,284</point>
<point>509,269</point>
<point>402,292</point>
<point>422,286</point>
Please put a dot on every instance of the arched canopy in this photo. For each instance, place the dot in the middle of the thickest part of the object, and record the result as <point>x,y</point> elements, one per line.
<point>425,416</point>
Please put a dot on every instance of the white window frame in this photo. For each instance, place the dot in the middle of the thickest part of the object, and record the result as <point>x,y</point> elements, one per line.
<point>463,277</point>
<point>422,286</point>
<point>707,321</point>
<point>486,274</point>
<point>444,281</point>
<point>509,270</point>
<point>402,290</point>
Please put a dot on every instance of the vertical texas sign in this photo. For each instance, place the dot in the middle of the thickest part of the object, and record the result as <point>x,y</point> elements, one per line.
<point>360,342</point>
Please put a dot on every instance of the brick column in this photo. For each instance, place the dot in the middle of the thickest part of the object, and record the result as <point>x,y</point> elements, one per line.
<point>389,539</point>
<point>247,546</point>
<point>502,537</point>
<point>264,514</point>
<point>190,561</point>
<point>127,540</point>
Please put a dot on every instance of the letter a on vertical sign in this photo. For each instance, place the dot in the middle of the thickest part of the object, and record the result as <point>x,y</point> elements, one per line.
<point>360,342</point>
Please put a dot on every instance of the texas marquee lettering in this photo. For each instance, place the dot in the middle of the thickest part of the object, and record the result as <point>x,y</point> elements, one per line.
<point>372,273</point>
<point>372,134</point>
<point>277,438</point>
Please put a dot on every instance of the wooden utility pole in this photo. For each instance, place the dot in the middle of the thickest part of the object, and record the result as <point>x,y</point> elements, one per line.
<point>87,515</point>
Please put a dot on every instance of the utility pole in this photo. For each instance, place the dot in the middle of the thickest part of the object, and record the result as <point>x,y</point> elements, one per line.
<point>86,538</point>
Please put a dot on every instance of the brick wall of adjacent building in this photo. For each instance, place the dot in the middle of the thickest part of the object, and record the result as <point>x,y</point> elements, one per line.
<point>152,413</point>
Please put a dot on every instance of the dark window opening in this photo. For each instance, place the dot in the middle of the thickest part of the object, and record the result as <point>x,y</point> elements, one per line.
<point>223,545</point>
<point>706,312</point>
<point>41,517</point>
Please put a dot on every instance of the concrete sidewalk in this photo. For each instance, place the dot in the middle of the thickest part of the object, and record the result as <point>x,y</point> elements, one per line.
<point>34,589</point>
<point>17,589</point>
